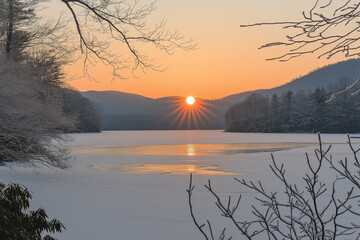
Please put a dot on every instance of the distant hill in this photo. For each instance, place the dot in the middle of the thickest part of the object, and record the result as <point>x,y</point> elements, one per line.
<point>114,102</point>
<point>322,77</point>
<point>126,111</point>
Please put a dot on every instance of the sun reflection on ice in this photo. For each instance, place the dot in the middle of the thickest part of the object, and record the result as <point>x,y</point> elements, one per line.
<point>191,168</point>
<point>170,169</point>
<point>191,150</point>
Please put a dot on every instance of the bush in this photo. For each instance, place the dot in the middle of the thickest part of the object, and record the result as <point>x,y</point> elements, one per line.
<point>16,222</point>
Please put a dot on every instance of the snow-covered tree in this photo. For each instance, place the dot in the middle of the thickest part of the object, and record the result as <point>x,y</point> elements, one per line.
<point>31,117</point>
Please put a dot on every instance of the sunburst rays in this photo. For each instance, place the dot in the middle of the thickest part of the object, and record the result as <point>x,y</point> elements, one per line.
<point>189,115</point>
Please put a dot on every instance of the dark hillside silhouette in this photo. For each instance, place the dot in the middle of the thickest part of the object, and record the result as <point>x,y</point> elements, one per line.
<point>126,111</point>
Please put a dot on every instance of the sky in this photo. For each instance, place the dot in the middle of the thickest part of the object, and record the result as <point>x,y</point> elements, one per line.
<point>227,60</point>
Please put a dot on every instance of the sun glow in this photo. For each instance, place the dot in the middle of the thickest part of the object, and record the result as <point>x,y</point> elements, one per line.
<point>190,100</point>
<point>190,113</point>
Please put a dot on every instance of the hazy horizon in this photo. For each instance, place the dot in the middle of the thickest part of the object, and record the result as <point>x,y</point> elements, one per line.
<point>221,97</point>
<point>228,60</point>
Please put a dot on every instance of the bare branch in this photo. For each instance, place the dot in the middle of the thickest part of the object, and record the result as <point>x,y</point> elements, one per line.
<point>327,29</point>
<point>312,211</point>
<point>121,24</point>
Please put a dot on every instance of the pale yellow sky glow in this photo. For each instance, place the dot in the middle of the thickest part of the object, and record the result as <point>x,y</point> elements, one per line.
<point>228,60</point>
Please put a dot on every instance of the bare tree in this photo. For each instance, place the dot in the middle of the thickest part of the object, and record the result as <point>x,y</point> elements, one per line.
<point>120,22</point>
<point>348,169</point>
<point>315,210</point>
<point>329,28</point>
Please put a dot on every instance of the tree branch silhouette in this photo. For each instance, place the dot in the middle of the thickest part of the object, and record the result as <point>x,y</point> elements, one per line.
<point>329,28</point>
<point>121,23</point>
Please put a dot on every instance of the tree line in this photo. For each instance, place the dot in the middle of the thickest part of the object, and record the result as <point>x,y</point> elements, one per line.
<point>297,112</point>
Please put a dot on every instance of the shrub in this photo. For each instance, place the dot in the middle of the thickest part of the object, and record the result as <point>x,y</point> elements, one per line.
<point>16,222</point>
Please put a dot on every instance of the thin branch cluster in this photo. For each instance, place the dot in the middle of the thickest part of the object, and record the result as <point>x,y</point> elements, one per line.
<point>311,209</point>
<point>109,32</point>
<point>328,28</point>
<point>120,22</point>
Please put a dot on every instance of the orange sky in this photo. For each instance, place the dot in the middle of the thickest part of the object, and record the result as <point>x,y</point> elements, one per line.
<point>228,60</point>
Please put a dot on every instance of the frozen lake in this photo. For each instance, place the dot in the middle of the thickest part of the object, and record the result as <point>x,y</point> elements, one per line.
<point>132,185</point>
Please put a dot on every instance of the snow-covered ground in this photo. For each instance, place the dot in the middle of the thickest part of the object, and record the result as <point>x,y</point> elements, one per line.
<point>132,185</point>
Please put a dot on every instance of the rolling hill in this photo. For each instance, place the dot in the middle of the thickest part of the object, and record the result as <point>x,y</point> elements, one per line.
<point>126,111</point>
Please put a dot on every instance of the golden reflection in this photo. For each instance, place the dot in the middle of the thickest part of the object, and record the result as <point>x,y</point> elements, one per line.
<point>191,150</point>
<point>173,169</point>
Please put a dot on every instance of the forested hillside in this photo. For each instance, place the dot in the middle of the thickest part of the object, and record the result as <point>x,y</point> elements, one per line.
<point>86,113</point>
<point>296,112</point>
<point>126,111</point>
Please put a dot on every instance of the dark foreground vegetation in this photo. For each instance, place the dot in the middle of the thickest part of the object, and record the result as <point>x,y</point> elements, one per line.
<point>17,222</point>
<point>297,112</point>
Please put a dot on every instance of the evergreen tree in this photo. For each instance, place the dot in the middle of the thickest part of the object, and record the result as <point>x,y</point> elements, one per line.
<point>251,115</point>
<point>296,113</point>
<point>285,110</point>
<point>319,110</point>
<point>275,120</point>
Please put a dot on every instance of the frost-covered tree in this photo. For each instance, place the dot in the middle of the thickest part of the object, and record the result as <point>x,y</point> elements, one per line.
<point>31,111</point>
<point>31,117</point>
<point>274,106</point>
<point>299,112</point>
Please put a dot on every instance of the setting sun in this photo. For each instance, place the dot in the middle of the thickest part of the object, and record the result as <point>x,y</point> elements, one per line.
<point>190,100</point>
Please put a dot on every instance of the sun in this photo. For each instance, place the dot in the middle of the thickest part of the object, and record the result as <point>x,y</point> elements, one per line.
<point>190,100</point>
<point>188,113</point>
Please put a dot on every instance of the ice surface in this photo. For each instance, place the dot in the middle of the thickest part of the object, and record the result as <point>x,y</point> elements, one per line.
<point>174,169</point>
<point>106,205</point>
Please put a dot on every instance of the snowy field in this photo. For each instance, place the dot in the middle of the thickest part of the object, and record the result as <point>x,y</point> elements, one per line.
<point>132,185</point>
